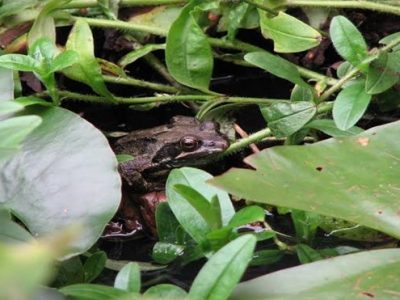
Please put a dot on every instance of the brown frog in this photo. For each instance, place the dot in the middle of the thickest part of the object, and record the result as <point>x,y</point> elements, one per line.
<point>183,142</point>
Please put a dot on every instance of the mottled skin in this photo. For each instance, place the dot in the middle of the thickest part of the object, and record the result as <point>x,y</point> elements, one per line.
<point>183,142</point>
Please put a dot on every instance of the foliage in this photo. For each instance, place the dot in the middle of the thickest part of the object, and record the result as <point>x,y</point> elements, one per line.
<point>57,170</point>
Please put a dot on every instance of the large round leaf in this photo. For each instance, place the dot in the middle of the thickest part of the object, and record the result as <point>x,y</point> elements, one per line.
<point>354,178</point>
<point>366,275</point>
<point>64,174</point>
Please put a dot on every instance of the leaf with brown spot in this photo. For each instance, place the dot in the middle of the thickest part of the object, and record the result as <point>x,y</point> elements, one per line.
<point>336,177</point>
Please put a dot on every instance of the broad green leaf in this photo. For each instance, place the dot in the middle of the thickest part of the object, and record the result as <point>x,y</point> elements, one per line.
<point>69,272</point>
<point>200,204</point>
<point>6,85</point>
<point>13,131</point>
<point>247,215</point>
<point>276,66</point>
<point>94,265</point>
<point>369,274</point>
<point>128,278</point>
<point>93,292</point>
<point>222,272</point>
<point>348,41</point>
<point>284,119</point>
<point>235,17</point>
<point>380,75</point>
<point>18,62</point>
<point>132,56</point>
<point>354,178</point>
<point>344,68</point>
<point>288,33</point>
<point>329,127</point>
<point>166,291</point>
<point>65,179</point>
<point>188,53</point>
<point>87,70</point>
<point>166,223</point>
<point>350,105</point>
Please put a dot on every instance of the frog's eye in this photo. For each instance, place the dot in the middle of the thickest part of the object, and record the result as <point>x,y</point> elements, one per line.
<point>189,143</point>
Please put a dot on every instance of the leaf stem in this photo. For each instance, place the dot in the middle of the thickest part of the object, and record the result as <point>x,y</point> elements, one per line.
<point>123,3</point>
<point>261,6</point>
<point>355,4</point>
<point>141,83</point>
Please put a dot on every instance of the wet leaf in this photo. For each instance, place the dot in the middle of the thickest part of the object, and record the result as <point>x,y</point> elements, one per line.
<point>68,173</point>
<point>354,178</point>
<point>345,277</point>
<point>128,279</point>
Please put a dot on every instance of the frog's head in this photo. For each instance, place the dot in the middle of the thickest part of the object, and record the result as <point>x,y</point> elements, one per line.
<point>191,143</point>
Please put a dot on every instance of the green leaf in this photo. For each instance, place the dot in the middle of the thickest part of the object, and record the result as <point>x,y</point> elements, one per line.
<point>8,107</point>
<point>164,253</point>
<point>354,178</point>
<point>247,215</point>
<point>188,53</point>
<point>329,127</point>
<point>222,272</point>
<point>128,279</point>
<point>93,292</point>
<point>132,56</point>
<point>305,224</point>
<point>14,7</point>
<point>87,70</point>
<point>18,62</point>
<point>165,291</point>
<point>167,225</point>
<point>391,37</point>
<point>350,105</point>
<point>12,232</point>
<point>236,16</point>
<point>187,216</point>
<point>6,85</point>
<point>344,277</point>
<point>276,66</point>
<point>306,254</point>
<point>200,204</point>
<point>266,257</point>
<point>94,265</point>
<point>288,33</point>
<point>348,41</point>
<point>63,60</point>
<point>302,93</point>
<point>13,131</point>
<point>284,119</point>
<point>44,25</point>
<point>65,179</point>
<point>380,75</point>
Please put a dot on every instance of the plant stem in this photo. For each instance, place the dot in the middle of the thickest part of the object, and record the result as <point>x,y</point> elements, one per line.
<point>355,4</point>
<point>164,98</point>
<point>244,142</point>
<point>141,83</point>
<point>235,45</point>
<point>123,3</point>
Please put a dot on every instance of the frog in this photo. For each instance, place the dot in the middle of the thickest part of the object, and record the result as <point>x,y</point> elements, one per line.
<point>184,141</point>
